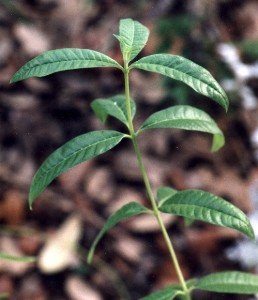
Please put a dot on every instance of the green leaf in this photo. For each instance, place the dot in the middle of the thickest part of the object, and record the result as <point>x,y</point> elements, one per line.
<point>163,194</point>
<point>77,150</point>
<point>185,117</point>
<point>62,60</point>
<point>133,36</point>
<point>167,293</point>
<point>129,210</point>
<point>182,69</point>
<point>229,282</point>
<point>6,256</point>
<point>200,205</point>
<point>113,106</point>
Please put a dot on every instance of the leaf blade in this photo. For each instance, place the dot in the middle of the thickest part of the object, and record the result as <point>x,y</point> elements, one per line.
<point>184,70</point>
<point>113,106</point>
<point>188,118</point>
<point>128,210</point>
<point>75,151</point>
<point>204,206</point>
<point>229,282</point>
<point>167,293</point>
<point>133,36</point>
<point>63,60</point>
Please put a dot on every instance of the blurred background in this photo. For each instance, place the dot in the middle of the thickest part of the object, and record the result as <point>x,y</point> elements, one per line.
<point>39,115</point>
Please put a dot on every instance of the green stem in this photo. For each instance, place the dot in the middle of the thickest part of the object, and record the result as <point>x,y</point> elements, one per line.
<point>148,187</point>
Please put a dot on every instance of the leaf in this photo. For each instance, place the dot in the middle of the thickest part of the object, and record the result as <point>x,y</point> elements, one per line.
<point>200,205</point>
<point>185,117</point>
<point>229,282</point>
<point>6,256</point>
<point>133,36</point>
<point>217,142</point>
<point>59,250</point>
<point>129,210</point>
<point>62,60</point>
<point>163,194</point>
<point>114,106</point>
<point>167,293</point>
<point>180,68</point>
<point>77,150</point>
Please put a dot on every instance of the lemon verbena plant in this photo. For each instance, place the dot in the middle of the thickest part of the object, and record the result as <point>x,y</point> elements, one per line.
<point>189,204</point>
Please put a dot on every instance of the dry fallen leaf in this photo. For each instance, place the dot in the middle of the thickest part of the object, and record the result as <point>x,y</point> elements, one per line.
<point>58,252</point>
<point>79,290</point>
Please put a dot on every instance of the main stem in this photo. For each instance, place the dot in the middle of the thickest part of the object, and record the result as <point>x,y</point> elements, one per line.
<point>148,187</point>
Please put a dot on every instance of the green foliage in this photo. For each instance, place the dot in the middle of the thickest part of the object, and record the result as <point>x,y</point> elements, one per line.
<point>190,204</point>
<point>182,69</point>
<point>132,37</point>
<point>6,256</point>
<point>129,210</point>
<point>204,206</point>
<point>77,150</point>
<point>186,117</point>
<point>62,60</point>
<point>168,293</point>
<point>113,106</point>
<point>229,282</point>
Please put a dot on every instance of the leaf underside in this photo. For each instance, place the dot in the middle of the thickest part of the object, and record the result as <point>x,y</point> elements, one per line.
<point>168,293</point>
<point>62,60</point>
<point>188,118</point>
<point>200,205</point>
<point>229,282</point>
<point>129,210</point>
<point>133,36</point>
<point>77,150</point>
<point>182,69</point>
<point>113,106</point>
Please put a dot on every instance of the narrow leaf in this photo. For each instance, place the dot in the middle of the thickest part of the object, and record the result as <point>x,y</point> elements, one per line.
<point>182,69</point>
<point>133,37</point>
<point>6,256</point>
<point>188,118</point>
<point>62,60</point>
<point>77,150</point>
<point>129,210</point>
<point>167,293</point>
<point>229,282</point>
<point>114,106</point>
<point>200,205</point>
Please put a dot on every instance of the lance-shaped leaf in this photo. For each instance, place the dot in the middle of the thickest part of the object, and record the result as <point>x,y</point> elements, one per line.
<point>62,60</point>
<point>204,206</point>
<point>182,69</point>
<point>167,293</point>
<point>188,118</point>
<point>163,194</point>
<point>129,210</point>
<point>133,36</point>
<point>6,256</point>
<point>77,150</point>
<point>113,106</point>
<point>229,282</point>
